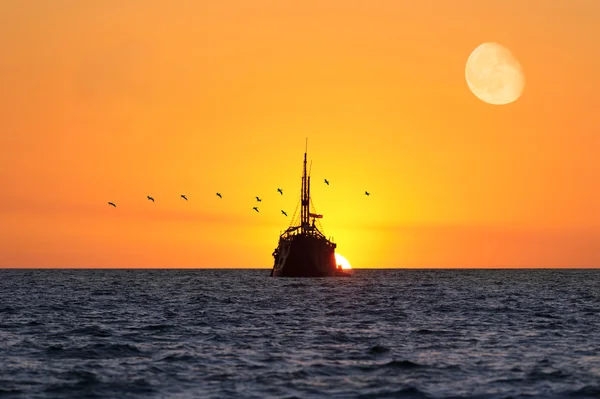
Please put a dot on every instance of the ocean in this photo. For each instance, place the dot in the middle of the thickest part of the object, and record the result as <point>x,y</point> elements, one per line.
<point>214,333</point>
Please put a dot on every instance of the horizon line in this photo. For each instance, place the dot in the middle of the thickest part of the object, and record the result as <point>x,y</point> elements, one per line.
<point>269,268</point>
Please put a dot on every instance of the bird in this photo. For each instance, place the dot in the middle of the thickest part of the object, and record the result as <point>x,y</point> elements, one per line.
<point>326,181</point>
<point>367,193</point>
<point>258,199</point>
<point>110,203</point>
<point>184,197</point>
<point>280,191</point>
<point>219,195</point>
<point>282,211</point>
<point>150,198</point>
<point>255,208</point>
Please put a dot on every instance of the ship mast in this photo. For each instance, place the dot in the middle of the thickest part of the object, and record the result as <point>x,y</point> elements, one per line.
<point>304,215</point>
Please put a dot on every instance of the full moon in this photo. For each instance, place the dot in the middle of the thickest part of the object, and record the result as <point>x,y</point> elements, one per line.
<point>494,75</point>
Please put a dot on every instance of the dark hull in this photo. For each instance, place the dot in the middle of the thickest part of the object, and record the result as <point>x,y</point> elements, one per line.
<point>305,256</point>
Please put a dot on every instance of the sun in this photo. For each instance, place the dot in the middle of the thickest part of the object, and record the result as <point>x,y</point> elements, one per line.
<point>340,260</point>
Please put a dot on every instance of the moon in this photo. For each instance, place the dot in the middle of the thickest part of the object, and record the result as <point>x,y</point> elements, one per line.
<point>494,75</point>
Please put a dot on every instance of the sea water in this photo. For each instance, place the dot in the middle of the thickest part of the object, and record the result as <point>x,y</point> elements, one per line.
<point>210,333</point>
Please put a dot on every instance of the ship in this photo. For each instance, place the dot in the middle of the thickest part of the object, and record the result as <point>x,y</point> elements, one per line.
<point>303,249</point>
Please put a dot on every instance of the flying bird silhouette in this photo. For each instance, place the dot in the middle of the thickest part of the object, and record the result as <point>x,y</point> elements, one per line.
<point>184,197</point>
<point>110,203</point>
<point>150,198</point>
<point>280,191</point>
<point>255,208</point>
<point>284,212</point>
<point>219,195</point>
<point>367,193</point>
<point>326,181</point>
<point>258,199</point>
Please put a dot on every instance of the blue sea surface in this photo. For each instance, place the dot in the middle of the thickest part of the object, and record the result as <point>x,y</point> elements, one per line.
<point>211,333</point>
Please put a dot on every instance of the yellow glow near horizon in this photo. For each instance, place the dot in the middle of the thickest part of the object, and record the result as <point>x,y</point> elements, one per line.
<point>340,260</point>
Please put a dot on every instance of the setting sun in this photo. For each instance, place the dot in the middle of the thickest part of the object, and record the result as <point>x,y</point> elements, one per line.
<point>340,260</point>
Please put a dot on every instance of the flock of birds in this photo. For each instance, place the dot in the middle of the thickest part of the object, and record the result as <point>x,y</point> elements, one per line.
<point>279,190</point>
<point>366,192</point>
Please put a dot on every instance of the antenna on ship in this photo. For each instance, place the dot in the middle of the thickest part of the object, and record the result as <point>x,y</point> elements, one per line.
<point>305,195</point>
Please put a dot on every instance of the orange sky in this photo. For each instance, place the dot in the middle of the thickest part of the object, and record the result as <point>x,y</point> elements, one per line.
<point>115,100</point>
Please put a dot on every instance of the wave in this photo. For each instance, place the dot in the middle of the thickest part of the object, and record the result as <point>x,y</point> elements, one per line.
<point>95,351</point>
<point>409,392</point>
<point>379,349</point>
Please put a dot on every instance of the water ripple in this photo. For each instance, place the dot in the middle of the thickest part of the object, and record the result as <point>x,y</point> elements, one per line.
<point>238,333</point>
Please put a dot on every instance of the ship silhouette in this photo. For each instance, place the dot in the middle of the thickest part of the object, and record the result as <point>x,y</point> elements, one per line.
<point>303,249</point>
